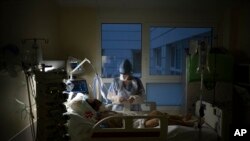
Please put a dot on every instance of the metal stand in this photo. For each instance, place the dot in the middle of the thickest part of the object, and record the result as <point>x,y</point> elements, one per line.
<point>201,110</point>
<point>203,65</point>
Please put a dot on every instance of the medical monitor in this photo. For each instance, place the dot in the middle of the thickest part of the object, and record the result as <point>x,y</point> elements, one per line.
<point>53,65</point>
<point>80,86</point>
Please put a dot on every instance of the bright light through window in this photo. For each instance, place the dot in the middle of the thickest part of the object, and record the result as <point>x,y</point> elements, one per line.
<point>167,57</point>
<point>119,42</point>
<point>167,48</point>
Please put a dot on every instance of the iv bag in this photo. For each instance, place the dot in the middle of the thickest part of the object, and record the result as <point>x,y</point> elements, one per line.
<point>203,57</point>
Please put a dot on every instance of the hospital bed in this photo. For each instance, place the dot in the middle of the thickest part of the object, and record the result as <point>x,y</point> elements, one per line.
<point>132,130</point>
<point>211,130</point>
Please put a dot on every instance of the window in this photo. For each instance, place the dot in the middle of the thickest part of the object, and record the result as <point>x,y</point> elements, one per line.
<point>163,80</point>
<point>165,94</point>
<point>167,48</point>
<point>176,56</point>
<point>157,54</point>
<point>119,42</point>
<point>167,60</point>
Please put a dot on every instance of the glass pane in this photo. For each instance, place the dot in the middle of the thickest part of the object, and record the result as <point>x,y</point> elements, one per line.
<point>119,42</point>
<point>165,94</point>
<point>167,48</point>
<point>105,91</point>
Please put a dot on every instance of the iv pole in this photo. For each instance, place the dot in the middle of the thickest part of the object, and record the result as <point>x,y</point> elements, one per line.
<point>203,65</point>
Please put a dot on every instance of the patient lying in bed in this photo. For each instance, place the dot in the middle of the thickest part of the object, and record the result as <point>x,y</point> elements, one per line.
<point>86,112</point>
<point>186,120</point>
<point>93,110</point>
<point>90,110</point>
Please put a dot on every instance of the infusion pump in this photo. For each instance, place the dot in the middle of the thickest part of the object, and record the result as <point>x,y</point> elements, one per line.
<point>51,122</point>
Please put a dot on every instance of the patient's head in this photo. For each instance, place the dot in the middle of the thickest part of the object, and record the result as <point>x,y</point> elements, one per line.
<point>78,105</point>
<point>77,102</point>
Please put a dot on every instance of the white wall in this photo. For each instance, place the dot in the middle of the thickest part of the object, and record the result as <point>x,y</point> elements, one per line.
<point>21,20</point>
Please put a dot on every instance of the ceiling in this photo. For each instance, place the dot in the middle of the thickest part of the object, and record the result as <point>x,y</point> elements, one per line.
<point>146,3</point>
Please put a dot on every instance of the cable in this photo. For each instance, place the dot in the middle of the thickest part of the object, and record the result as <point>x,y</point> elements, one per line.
<point>98,80</point>
<point>32,87</point>
<point>31,116</point>
<point>203,65</point>
<point>24,109</point>
<point>214,79</point>
<point>201,110</point>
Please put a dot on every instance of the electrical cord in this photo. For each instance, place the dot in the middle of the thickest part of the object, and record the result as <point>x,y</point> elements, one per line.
<point>31,116</point>
<point>32,86</point>
<point>97,78</point>
<point>25,109</point>
<point>100,82</point>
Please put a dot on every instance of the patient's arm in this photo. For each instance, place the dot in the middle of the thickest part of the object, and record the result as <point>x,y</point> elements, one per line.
<point>135,99</point>
<point>113,97</point>
<point>172,120</point>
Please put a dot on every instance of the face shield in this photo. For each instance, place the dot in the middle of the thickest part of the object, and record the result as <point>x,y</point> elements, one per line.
<point>125,67</point>
<point>124,77</point>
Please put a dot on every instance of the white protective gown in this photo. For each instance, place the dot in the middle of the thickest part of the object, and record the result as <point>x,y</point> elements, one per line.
<point>133,89</point>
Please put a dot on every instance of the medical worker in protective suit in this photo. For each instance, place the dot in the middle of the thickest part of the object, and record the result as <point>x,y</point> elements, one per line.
<point>126,91</point>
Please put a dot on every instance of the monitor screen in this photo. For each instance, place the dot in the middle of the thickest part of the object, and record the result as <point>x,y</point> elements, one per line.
<point>80,86</point>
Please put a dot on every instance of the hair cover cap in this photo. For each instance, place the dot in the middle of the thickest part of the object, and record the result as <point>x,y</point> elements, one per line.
<point>125,67</point>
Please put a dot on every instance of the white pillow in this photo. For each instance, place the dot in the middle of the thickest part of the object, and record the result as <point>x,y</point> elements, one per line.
<point>79,105</point>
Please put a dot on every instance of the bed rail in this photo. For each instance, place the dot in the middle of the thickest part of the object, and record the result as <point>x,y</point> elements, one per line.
<point>128,131</point>
<point>213,116</point>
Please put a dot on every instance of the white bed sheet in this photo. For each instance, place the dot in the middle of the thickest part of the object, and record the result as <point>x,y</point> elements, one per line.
<point>80,130</point>
<point>184,133</point>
